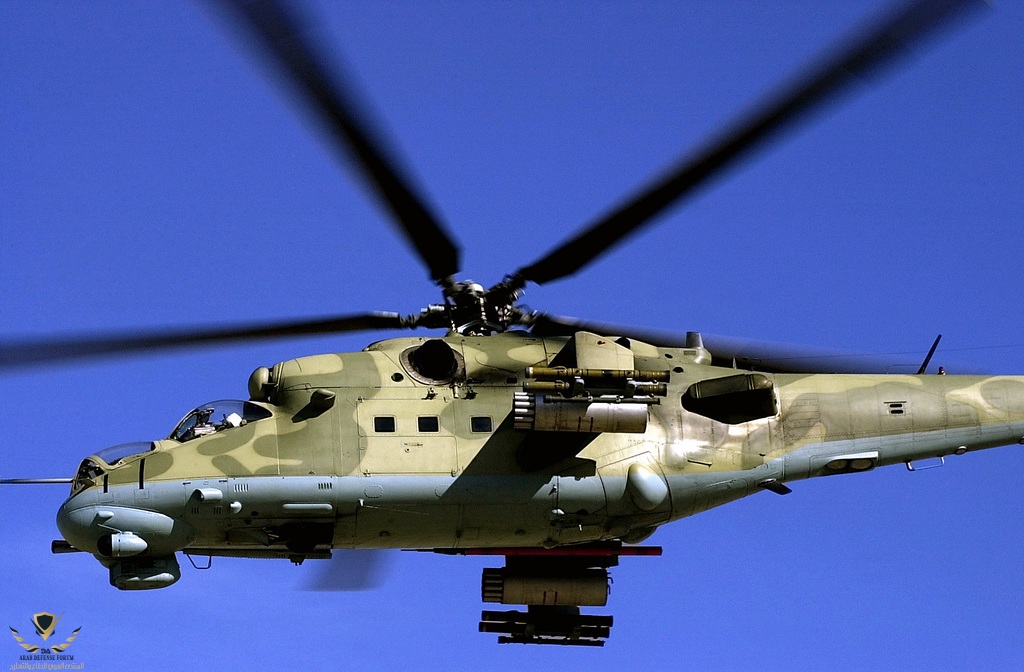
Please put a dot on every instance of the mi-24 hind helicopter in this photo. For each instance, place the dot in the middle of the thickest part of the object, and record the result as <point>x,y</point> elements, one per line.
<point>556,443</point>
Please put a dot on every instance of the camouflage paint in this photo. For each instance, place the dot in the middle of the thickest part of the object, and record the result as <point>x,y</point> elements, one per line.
<point>323,476</point>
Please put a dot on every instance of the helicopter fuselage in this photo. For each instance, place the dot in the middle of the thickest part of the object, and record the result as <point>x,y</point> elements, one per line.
<point>359,450</point>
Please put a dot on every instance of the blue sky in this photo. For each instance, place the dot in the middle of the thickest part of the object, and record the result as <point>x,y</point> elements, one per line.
<point>153,174</point>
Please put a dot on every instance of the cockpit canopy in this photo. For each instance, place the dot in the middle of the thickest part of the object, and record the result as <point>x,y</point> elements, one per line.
<point>90,469</point>
<point>115,454</point>
<point>217,416</point>
<point>209,418</point>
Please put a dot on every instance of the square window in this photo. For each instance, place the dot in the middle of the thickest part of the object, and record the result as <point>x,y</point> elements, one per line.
<point>480,423</point>
<point>428,423</point>
<point>384,423</point>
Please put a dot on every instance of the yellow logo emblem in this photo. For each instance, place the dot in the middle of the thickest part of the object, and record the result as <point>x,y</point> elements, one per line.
<point>45,624</point>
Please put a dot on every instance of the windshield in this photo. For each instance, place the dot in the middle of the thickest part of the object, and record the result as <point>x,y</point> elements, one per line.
<point>90,471</point>
<point>115,454</point>
<point>217,416</point>
<point>86,476</point>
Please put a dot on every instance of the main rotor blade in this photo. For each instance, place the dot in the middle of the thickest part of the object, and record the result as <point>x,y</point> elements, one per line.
<point>859,58</point>
<point>25,353</point>
<point>737,353</point>
<point>283,37</point>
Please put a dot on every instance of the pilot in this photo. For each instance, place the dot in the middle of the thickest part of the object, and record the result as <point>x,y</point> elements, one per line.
<point>232,420</point>
<point>203,425</point>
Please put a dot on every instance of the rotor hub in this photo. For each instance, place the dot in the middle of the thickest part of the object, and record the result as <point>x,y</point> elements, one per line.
<point>476,311</point>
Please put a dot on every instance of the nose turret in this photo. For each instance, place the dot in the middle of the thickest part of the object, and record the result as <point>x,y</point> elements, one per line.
<point>116,528</point>
<point>136,545</point>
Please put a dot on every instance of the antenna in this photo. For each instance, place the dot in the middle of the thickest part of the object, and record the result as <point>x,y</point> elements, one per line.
<point>928,357</point>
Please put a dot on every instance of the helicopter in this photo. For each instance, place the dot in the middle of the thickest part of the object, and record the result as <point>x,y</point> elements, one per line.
<point>495,329</point>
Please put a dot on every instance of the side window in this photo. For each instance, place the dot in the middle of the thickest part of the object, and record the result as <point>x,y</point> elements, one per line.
<point>480,423</point>
<point>384,423</point>
<point>428,423</point>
